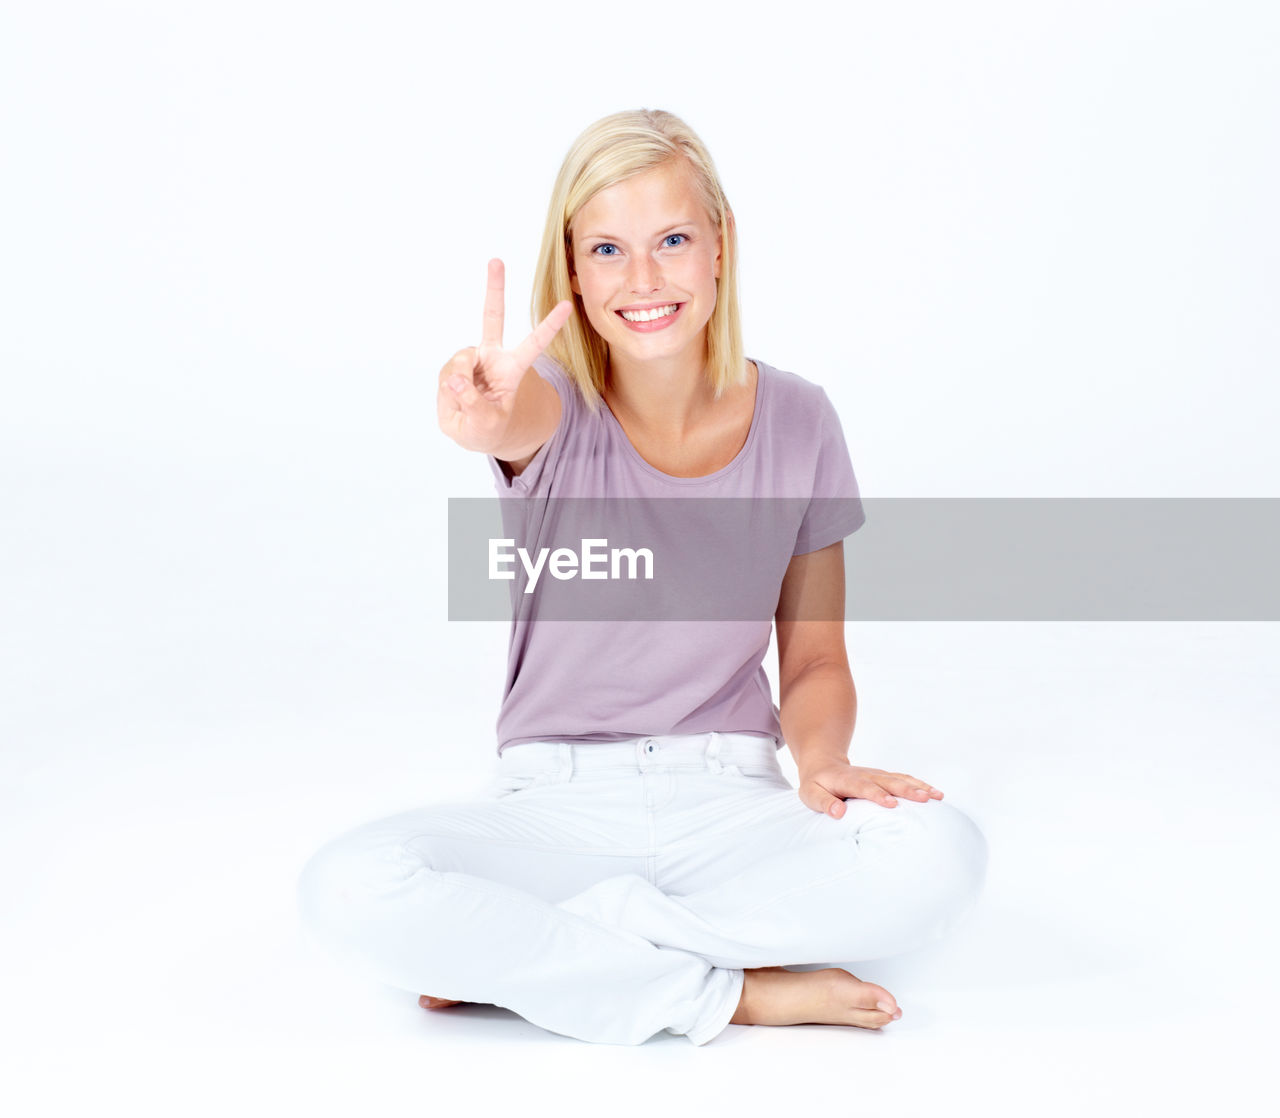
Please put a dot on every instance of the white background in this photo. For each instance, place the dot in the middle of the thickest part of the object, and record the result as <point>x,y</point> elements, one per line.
<point>1029,249</point>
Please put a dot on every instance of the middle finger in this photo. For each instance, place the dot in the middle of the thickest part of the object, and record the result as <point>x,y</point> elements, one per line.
<point>494,305</point>
<point>909,786</point>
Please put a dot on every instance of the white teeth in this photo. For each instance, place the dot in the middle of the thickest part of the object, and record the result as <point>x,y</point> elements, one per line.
<point>650,315</point>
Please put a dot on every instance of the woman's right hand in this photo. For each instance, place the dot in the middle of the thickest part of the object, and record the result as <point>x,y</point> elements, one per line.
<point>477,387</point>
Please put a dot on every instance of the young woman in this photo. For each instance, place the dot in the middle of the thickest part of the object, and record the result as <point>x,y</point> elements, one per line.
<point>643,864</point>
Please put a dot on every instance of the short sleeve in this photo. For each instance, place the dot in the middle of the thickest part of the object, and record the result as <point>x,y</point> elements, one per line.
<point>835,508</point>
<point>542,465</point>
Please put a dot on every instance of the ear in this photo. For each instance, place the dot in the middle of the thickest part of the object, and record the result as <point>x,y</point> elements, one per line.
<point>573,282</point>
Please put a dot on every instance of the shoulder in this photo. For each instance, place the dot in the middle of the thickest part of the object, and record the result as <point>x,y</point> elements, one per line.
<point>792,399</point>
<point>548,368</point>
<point>564,383</point>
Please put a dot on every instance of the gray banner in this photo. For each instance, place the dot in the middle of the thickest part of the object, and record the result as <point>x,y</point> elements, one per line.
<point>915,559</point>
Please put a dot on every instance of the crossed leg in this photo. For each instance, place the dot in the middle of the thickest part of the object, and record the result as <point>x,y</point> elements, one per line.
<point>800,871</point>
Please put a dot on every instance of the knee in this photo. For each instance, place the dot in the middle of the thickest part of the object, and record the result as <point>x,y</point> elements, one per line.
<point>945,844</point>
<point>960,850</point>
<point>959,833</point>
<point>338,879</point>
<point>325,882</point>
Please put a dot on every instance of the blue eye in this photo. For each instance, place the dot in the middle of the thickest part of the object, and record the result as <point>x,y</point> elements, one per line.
<point>599,249</point>
<point>679,238</point>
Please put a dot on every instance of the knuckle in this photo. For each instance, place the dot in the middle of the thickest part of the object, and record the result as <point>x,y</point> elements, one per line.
<point>460,362</point>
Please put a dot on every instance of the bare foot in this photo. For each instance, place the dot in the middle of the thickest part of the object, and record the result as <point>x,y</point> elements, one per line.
<point>776,996</point>
<point>428,1002</point>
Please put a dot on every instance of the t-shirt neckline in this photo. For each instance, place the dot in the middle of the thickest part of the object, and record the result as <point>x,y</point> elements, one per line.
<point>737,459</point>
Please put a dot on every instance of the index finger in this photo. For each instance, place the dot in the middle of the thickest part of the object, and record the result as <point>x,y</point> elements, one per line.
<point>528,350</point>
<point>494,308</point>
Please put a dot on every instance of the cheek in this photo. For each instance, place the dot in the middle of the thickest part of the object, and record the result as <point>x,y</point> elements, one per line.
<point>703,270</point>
<point>599,318</point>
<point>593,300</point>
<point>593,292</point>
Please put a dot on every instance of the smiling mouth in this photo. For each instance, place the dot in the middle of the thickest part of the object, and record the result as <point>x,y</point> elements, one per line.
<point>652,314</point>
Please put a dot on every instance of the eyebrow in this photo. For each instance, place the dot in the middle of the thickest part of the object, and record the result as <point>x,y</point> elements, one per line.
<point>612,237</point>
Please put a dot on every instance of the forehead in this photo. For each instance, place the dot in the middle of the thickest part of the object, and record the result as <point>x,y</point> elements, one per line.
<point>655,199</point>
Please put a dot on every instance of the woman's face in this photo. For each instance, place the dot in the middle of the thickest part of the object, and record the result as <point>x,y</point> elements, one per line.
<point>646,257</point>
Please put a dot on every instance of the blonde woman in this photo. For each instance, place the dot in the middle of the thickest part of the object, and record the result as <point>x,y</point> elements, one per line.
<point>642,863</point>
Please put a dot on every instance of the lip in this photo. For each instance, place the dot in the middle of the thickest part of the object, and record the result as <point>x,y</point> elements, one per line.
<point>657,323</point>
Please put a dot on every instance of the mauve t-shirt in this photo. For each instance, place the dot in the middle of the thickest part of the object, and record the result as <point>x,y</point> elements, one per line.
<point>609,680</point>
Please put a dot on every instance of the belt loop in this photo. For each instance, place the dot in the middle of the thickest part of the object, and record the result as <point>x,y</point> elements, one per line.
<point>566,763</point>
<point>713,753</point>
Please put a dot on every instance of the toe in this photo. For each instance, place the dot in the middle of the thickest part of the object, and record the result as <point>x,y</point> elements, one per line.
<point>870,1018</point>
<point>876,999</point>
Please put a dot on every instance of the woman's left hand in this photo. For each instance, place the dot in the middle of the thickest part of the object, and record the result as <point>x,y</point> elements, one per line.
<point>827,784</point>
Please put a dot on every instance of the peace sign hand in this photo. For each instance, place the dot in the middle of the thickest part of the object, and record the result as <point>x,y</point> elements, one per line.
<point>477,387</point>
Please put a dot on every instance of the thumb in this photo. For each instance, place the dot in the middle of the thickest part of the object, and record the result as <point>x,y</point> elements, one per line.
<point>464,390</point>
<point>822,801</point>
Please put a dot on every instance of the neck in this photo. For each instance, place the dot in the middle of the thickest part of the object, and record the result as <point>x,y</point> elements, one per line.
<point>665,396</point>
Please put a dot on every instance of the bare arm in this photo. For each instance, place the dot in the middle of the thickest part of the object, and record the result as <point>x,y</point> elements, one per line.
<point>818,703</point>
<point>536,416</point>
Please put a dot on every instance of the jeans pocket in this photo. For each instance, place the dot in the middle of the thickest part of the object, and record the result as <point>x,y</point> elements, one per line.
<point>508,784</point>
<point>755,777</point>
<point>723,771</point>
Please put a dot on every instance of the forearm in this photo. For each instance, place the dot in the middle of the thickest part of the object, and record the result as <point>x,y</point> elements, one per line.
<point>535,411</point>
<point>817,710</point>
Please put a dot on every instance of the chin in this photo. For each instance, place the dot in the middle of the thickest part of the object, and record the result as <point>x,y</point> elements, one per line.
<point>653,351</point>
<point>642,347</point>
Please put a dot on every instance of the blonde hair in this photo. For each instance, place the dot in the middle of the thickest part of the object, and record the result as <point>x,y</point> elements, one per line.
<point>610,150</point>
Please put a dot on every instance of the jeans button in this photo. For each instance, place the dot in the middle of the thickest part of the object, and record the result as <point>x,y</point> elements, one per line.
<point>651,747</point>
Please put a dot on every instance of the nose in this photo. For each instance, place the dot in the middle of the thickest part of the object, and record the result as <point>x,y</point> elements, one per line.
<point>646,276</point>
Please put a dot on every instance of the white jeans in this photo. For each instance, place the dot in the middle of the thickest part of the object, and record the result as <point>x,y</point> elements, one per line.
<point>612,891</point>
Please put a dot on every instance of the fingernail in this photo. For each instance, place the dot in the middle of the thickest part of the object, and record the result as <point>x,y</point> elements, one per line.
<point>884,1007</point>
<point>456,382</point>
